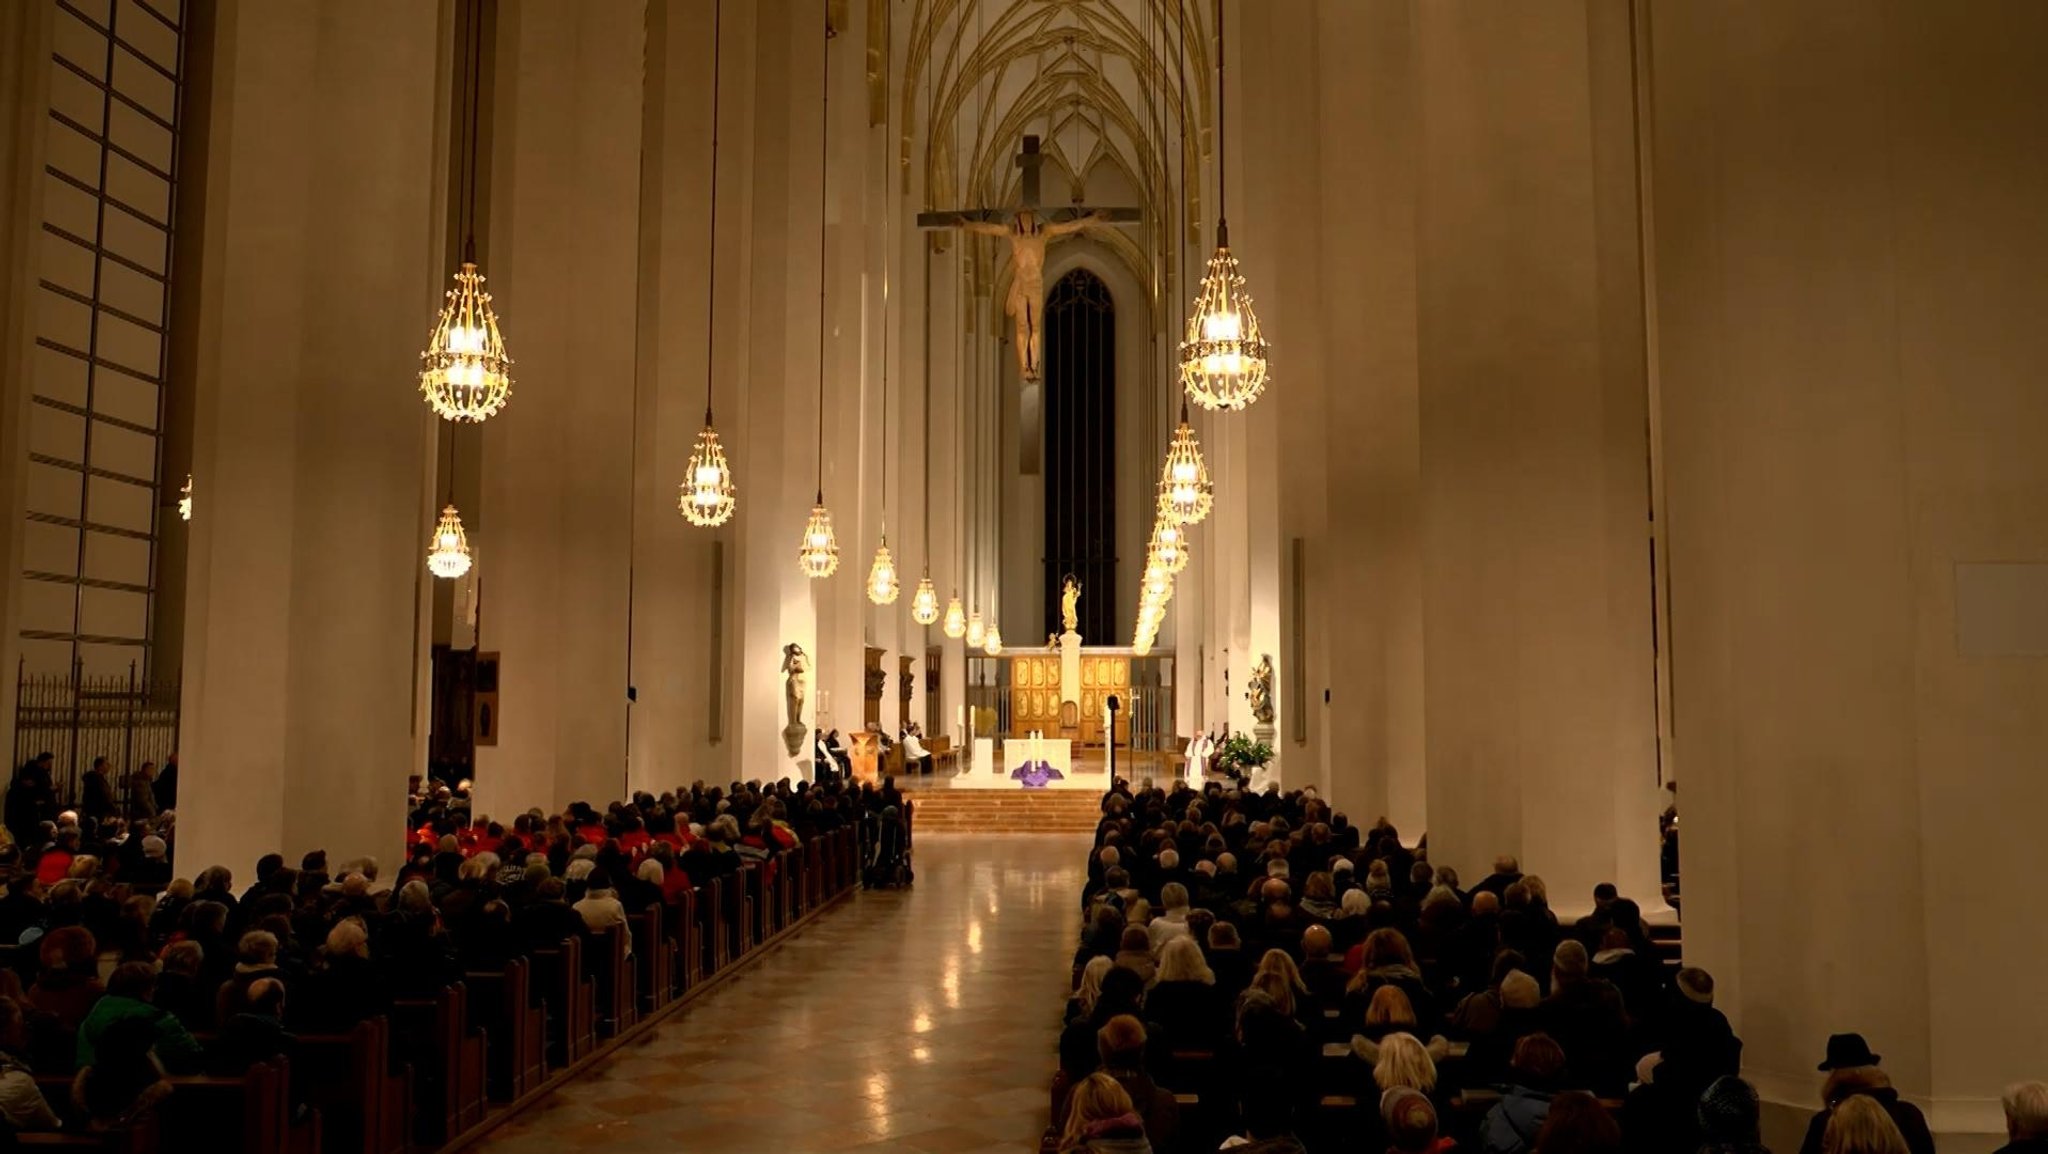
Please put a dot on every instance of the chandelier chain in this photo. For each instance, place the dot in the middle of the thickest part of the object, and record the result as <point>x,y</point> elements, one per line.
<point>711,231</point>
<point>824,182</point>
<point>1222,138</point>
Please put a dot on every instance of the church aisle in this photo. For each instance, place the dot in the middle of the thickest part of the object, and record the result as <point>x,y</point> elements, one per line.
<point>919,1021</point>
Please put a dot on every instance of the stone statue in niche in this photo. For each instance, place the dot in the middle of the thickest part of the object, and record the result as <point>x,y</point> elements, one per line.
<point>796,668</point>
<point>1258,690</point>
<point>1070,602</point>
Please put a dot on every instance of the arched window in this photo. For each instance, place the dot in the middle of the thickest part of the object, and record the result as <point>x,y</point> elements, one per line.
<point>1080,451</point>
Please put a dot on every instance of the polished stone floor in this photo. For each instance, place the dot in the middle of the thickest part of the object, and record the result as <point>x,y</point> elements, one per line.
<point>923,1020</point>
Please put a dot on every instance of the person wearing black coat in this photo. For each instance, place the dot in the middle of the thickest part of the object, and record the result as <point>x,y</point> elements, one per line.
<point>31,799</point>
<point>167,785</point>
<point>1853,1070</point>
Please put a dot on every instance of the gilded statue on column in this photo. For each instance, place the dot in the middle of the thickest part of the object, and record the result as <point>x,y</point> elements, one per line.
<point>1070,602</point>
<point>1258,690</point>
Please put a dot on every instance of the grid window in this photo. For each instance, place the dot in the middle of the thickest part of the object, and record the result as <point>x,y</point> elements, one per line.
<point>94,487</point>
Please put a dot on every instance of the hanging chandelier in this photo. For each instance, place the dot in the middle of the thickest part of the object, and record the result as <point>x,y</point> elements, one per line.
<point>465,373</point>
<point>185,499</point>
<point>882,583</point>
<point>977,634</point>
<point>924,604</point>
<point>1223,356</point>
<point>448,548</point>
<point>1169,547</point>
<point>708,497</point>
<point>1158,583</point>
<point>1185,492</point>
<point>956,618</point>
<point>992,641</point>
<point>819,554</point>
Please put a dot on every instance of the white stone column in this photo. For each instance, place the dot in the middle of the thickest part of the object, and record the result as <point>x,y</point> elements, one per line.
<point>558,489</point>
<point>1849,244</point>
<point>686,709</point>
<point>1534,488</point>
<point>320,277</point>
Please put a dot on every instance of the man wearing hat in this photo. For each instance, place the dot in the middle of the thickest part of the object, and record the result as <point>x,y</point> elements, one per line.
<point>1699,1048</point>
<point>1852,1070</point>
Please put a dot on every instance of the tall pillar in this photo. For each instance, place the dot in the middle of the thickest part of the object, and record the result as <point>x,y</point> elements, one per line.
<point>683,713</point>
<point>1849,238</point>
<point>317,288</point>
<point>779,403</point>
<point>556,557</point>
<point>1534,490</point>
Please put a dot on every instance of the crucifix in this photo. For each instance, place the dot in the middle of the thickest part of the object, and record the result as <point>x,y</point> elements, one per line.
<point>1027,228</point>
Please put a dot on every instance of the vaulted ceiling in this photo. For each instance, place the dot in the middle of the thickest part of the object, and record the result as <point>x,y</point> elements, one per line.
<point>1099,81</point>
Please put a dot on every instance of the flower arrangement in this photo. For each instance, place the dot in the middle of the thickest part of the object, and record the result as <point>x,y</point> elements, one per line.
<point>1241,752</point>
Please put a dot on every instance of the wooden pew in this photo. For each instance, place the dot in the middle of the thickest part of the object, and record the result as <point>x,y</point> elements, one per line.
<point>560,987</point>
<point>739,915</point>
<point>717,939</point>
<point>447,1057</point>
<point>145,1137</point>
<point>365,1108</point>
<point>944,757</point>
<point>250,1114</point>
<point>610,970</point>
<point>654,959</point>
<point>503,1007</point>
<point>689,940</point>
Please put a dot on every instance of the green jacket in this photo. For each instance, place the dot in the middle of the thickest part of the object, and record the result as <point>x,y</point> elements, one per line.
<point>176,1048</point>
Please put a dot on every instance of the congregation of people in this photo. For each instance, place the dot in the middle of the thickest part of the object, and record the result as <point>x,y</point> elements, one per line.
<point>121,967</point>
<point>1256,970</point>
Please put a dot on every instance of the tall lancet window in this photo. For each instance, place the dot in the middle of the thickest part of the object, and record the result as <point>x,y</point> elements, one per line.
<point>1080,451</point>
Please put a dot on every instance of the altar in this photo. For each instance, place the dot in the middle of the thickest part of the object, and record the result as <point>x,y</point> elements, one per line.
<point>1033,763</point>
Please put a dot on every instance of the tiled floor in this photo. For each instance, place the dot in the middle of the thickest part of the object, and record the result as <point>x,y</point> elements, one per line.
<point>922,1021</point>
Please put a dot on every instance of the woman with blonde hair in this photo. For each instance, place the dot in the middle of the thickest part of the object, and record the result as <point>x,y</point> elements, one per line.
<point>1860,1125</point>
<point>1089,988</point>
<point>1184,1000</point>
<point>1404,1061</point>
<point>1389,1012</point>
<point>1282,963</point>
<point>1101,1120</point>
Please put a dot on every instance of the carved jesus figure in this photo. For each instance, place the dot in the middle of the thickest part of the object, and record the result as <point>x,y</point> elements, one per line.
<point>1028,235</point>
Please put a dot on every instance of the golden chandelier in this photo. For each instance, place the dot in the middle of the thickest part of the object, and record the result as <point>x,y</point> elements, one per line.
<point>465,373</point>
<point>956,618</point>
<point>708,497</point>
<point>448,548</point>
<point>924,604</point>
<point>818,556</point>
<point>882,583</point>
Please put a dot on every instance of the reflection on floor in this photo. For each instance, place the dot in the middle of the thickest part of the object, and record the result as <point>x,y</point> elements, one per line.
<point>921,1021</point>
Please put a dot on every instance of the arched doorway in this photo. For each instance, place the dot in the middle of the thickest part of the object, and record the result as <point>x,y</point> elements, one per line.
<point>1080,451</point>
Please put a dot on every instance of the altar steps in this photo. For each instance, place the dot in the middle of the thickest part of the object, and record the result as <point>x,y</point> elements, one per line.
<point>1060,811</point>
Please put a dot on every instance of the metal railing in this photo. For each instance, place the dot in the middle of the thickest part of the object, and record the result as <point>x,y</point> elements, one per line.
<point>121,717</point>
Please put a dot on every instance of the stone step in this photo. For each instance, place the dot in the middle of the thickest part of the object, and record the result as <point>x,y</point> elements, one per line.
<point>1005,811</point>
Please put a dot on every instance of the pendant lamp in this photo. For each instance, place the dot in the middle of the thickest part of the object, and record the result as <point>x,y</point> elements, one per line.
<point>1223,355</point>
<point>956,618</point>
<point>708,497</point>
<point>465,373</point>
<point>818,555</point>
